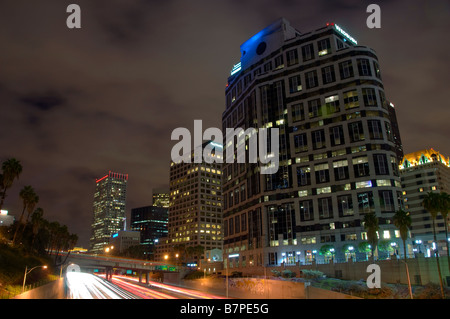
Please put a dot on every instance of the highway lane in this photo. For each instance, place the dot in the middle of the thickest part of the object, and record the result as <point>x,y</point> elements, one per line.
<point>157,290</point>
<point>88,286</point>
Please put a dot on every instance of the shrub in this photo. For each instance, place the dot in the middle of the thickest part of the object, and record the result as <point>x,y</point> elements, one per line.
<point>275,273</point>
<point>288,274</point>
<point>312,274</point>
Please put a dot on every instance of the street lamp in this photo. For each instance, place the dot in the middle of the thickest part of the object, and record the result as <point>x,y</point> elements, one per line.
<point>108,249</point>
<point>27,272</point>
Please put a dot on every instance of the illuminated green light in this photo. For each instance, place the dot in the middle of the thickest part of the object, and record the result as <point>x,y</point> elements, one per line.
<point>345,34</point>
<point>236,68</point>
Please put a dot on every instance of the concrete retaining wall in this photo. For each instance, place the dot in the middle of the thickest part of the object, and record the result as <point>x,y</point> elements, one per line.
<point>52,290</point>
<point>421,270</point>
<point>256,288</point>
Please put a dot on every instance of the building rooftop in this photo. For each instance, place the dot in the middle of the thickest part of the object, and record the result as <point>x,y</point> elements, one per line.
<point>423,157</point>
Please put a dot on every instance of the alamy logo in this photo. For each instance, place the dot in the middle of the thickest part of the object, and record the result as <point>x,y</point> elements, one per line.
<point>374,279</point>
<point>263,144</point>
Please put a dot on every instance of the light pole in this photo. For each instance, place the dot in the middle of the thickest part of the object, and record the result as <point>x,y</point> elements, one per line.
<point>27,272</point>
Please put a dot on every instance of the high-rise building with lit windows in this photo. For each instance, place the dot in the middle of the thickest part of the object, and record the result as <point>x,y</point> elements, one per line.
<point>422,172</point>
<point>151,222</point>
<point>109,209</point>
<point>337,159</point>
<point>195,207</point>
<point>160,197</point>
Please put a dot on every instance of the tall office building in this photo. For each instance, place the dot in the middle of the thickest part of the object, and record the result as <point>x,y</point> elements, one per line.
<point>422,172</point>
<point>337,157</point>
<point>195,208</point>
<point>396,133</point>
<point>109,209</point>
<point>152,222</point>
<point>160,197</point>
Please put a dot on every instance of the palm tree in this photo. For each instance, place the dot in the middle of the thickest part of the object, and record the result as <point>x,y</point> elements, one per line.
<point>445,207</point>
<point>53,228</point>
<point>32,201</point>
<point>402,220</point>
<point>36,222</point>
<point>11,170</point>
<point>72,239</point>
<point>29,199</point>
<point>432,203</point>
<point>371,225</point>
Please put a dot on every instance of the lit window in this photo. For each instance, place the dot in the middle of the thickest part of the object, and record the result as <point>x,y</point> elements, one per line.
<point>364,184</point>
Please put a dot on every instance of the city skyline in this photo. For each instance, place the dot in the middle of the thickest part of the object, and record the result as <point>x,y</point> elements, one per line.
<point>77,103</point>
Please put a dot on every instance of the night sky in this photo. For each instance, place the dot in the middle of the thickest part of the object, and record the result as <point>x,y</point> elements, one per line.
<point>76,103</point>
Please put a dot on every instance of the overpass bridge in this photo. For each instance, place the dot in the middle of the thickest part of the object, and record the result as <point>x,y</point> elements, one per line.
<point>91,263</point>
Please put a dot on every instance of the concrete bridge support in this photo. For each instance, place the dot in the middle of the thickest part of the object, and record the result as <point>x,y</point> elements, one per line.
<point>143,273</point>
<point>109,272</point>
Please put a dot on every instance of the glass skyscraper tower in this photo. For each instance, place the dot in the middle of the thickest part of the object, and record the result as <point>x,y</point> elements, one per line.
<point>337,156</point>
<point>109,209</point>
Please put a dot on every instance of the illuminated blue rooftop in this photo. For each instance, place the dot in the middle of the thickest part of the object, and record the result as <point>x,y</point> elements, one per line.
<point>263,43</point>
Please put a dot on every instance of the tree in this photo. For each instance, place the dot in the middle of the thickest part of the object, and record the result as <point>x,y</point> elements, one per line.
<point>11,169</point>
<point>36,223</point>
<point>327,251</point>
<point>432,203</point>
<point>29,199</point>
<point>32,201</point>
<point>52,228</point>
<point>402,220</point>
<point>364,247</point>
<point>445,207</point>
<point>349,251</point>
<point>194,251</point>
<point>198,251</point>
<point>180,249</point>
<point>371,225</point>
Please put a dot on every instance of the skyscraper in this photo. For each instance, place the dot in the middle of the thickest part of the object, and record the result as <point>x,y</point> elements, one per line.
<point>109,209</point>
<point>152,222</point>
<point>160,197</point>
<point>195,209</point>
<point>337,156</point>
<point>422,172</point>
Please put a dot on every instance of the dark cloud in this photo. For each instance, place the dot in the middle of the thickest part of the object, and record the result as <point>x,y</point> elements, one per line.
<point>75,104</point>
<point>44,102</point>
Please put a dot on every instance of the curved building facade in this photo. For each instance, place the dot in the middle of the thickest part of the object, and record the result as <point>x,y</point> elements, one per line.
<point>337,156</point>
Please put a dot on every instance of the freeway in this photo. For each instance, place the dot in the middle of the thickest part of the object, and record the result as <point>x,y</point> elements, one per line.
<point>157,290</point>
<point>88,286</point>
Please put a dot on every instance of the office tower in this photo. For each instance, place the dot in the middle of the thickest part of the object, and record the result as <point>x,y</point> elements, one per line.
<point>422,172</point>
<point>109,209</point>
<point>121,241</point>
<point>337,156</point>
<point>160,197</point>
<point>195,209</point>
<point>396,132</point>
<point>152,222</point>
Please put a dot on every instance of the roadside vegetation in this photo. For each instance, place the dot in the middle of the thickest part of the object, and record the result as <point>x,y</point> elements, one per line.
<point>31,241</point>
